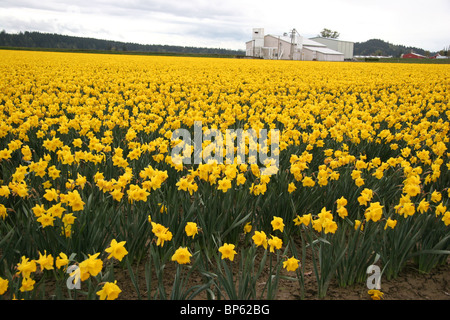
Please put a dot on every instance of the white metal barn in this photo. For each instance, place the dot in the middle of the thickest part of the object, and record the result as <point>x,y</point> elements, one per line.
<point>289,47</point>
<point>313,50</point>
<point>346,47</point>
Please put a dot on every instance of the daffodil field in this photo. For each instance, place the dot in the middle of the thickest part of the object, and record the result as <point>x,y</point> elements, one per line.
<point>89,188</point>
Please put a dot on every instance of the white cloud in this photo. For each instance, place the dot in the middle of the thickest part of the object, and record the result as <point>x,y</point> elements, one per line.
<point>228,24</point>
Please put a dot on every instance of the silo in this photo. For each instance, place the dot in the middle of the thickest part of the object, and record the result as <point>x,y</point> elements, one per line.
<point>258,41</point>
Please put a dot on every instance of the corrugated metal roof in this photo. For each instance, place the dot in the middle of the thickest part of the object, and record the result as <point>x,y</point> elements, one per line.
<point>312,43</point>
<point>283,38</point>
<point>305,41</point>
<point>323,50</point>
<point>331,39</point>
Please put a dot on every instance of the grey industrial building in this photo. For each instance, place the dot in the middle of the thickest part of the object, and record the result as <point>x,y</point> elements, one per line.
<point>293,46</point>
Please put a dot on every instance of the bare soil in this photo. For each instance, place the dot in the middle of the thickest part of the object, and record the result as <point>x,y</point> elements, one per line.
<point>409,285</point>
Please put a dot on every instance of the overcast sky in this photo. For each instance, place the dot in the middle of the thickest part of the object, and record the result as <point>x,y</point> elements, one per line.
<point>228,23</point>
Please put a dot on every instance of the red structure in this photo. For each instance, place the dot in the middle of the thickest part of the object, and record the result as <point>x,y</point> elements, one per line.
<point>438,56</point>
<point>413,55</point>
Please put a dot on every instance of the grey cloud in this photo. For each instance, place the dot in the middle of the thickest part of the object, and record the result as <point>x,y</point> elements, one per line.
<point>198,9</point>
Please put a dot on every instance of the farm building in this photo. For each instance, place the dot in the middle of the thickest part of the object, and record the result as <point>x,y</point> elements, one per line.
<point>438,56</point>
<point>345,47</point>
<point>413,55</point>
<point>289,47</point>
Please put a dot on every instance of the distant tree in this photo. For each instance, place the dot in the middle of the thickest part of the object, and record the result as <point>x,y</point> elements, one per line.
<point>378,52</point>
<point>327,33</point>
<point>445,51</point>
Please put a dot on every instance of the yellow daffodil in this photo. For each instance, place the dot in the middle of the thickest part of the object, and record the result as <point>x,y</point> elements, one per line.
<point>277,224</point>
<point>26,267</point>
<point>61,260</point>
<point>116,250</point>
<point>3,285</point>
<point>374,211</point>
<point>27,285</point>
<point>375,294</point>
<point>260,239</point>
<point>90,266</point>
<point>274,243</point>
<point>3,212</point>
<point>191,229</point>
<point>390,223</point>
<point>291,264</point>
<point>45,261</point>
<point>227,251</point>
<point>110,291</point>
<point>182,256</point>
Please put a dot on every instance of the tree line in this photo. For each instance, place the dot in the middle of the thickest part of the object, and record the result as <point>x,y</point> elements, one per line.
<point>377,47</point>
<point>36,39</point>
